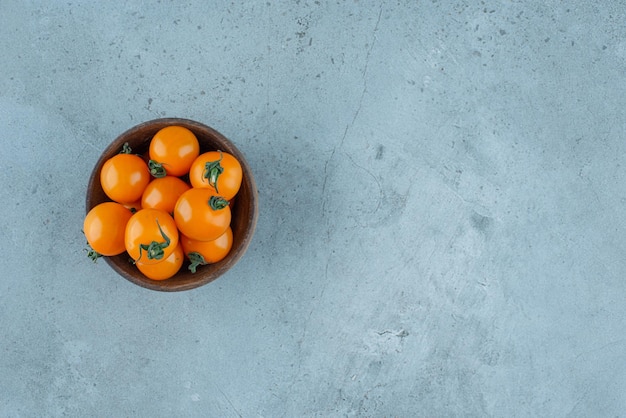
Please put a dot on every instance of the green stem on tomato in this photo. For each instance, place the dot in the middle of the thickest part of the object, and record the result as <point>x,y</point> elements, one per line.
<point>126,149</point>
<point>196,260</point>
<point>156,169</point>
<point>218,202</point>
<point>92,254</point>
<point>155,250</point>
<point>212,171</point>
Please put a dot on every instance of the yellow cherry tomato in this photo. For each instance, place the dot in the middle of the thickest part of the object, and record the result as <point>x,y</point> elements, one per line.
<point>201,215</point>
<point>151,236</point>
<point>162,193</point>
<point>207,252</point>
<point>218,171</point>
<point>172,150</point>
<point>104,228</point>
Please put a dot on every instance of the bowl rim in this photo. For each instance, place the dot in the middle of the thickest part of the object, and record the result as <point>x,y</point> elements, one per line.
<point>236,253</point>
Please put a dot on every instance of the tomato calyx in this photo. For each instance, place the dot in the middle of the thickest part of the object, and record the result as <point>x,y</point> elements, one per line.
<point>196,260</point>
<point>212,171</point>
<point>92,254</point>
<point>155,250</point>
<point>126,149</point>
<point>156,169</point>
<point>218,202</point>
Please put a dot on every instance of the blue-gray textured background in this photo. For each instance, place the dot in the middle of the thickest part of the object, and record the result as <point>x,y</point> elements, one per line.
<point>442,196</point>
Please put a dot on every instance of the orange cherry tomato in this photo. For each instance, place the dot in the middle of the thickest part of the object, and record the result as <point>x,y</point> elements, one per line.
<point>173,149</point>
<point>201,215</point>
<point>164,269</point>
<point>162,193</point>
<point>151,236</point>
<point>124,178</point>
<point>207,252</point>
<point>104,228</point>
<point>218,171</point>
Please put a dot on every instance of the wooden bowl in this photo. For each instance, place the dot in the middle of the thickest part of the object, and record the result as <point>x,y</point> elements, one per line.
<point>244,211</point>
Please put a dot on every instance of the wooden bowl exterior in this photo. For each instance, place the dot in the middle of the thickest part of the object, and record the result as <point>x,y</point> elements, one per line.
<point>244,212</point>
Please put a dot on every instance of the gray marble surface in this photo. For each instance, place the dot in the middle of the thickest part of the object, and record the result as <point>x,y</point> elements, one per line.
<point>442,209</point>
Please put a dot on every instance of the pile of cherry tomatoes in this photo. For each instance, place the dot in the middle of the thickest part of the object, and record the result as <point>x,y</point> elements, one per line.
<point>171,204</point>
